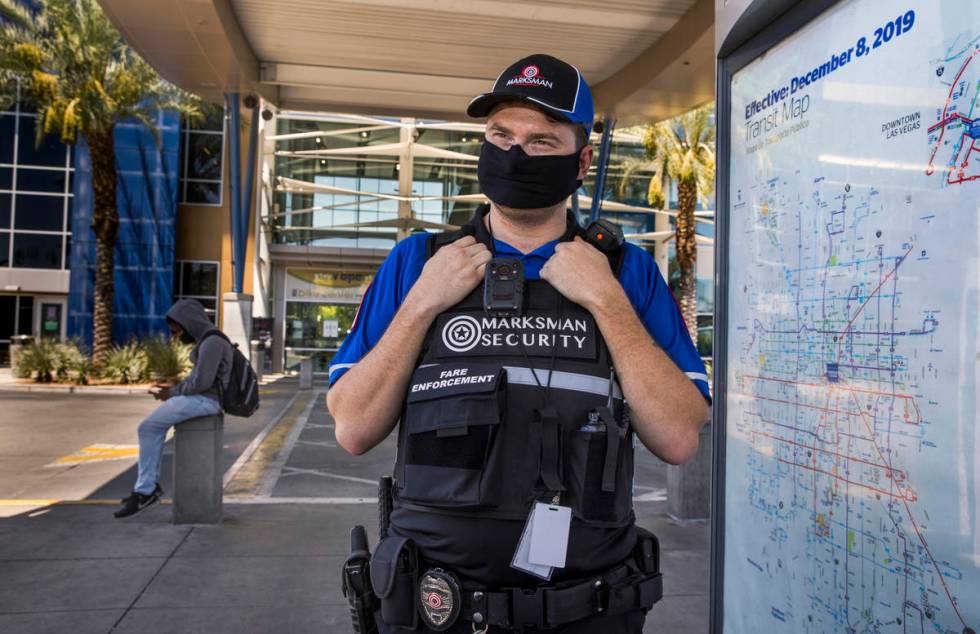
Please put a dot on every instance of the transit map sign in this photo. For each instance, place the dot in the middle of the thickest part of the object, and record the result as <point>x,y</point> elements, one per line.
<point>851,468</point>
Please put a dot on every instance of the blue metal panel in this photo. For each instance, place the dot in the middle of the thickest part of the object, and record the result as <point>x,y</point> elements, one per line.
<point>144,255</point>
<point>237,261</point>
<point>241,198</point>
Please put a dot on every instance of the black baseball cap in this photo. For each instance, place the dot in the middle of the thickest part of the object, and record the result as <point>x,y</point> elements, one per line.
<point>555,86</point>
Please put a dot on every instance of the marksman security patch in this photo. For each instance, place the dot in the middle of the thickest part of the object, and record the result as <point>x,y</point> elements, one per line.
<point>571,336</point>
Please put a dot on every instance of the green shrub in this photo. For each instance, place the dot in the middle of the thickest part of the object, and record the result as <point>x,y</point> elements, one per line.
<point>126,364</point>
<point>72,363</point>
<point>49,360</point>
<point>167,359</point>
<point>38,360</point>
<point>157,359</point>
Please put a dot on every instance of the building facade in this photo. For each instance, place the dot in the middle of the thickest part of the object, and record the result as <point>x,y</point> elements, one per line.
<point>341,190</point>
<point>334,194</point>
<point>173,233</point>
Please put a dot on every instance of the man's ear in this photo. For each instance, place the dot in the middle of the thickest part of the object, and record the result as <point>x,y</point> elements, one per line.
<point>584,161</point>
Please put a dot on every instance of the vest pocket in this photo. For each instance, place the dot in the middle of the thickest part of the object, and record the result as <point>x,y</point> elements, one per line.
<point>451,420</point>
<point>585,465</point>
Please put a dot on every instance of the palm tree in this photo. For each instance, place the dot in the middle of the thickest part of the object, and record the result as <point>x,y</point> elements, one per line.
<point>66,59</point>
<point>682,150</point>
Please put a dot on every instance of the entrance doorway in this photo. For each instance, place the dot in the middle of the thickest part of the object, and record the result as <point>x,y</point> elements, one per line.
<point>49,317</point>
<point>51,320</point>
<point>315,329</point>
<point>16,318</point>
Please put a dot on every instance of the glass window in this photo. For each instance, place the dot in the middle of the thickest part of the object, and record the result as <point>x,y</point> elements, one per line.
<point>312,325</point>
<point>39,213</point>
<point>8,316</point>
<point>202,193</point>
<point>25,319</point>
<point>7,127</point>
<point>37,193</point>
<point>204,156</point>
<point>202,161</point>
<point>5,202</point>
<point>51,152</point>
<point>213,121</point>
<point>37,251</point>
<point>41,180</point>
<point>198,280</point>
<point>342,219</point>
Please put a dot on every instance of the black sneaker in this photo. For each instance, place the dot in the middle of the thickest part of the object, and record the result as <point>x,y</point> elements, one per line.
<point>137,502</point>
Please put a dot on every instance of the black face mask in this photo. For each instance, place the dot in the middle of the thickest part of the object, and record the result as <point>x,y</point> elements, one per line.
<point>186,338</point>
<point>514,179</point>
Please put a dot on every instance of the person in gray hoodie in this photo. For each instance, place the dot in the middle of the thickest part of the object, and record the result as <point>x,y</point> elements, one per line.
<point>197,395</point>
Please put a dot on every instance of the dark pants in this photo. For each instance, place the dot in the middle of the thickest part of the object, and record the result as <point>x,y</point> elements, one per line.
<point>629,623</point>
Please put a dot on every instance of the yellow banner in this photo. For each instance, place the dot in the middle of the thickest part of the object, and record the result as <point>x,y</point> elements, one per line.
<point>341,285</point>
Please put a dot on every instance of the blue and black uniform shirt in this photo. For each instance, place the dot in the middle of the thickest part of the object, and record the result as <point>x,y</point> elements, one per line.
<point>639,276</point>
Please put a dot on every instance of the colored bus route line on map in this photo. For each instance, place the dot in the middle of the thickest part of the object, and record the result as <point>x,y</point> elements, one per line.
<point>834,412</point>
<point>961,166</point>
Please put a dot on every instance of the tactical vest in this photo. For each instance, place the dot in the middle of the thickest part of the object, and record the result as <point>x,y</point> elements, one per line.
<point>481,437</point>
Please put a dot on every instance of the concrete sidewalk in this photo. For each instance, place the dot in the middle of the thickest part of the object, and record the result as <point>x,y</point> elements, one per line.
<point>268,568</point>
<point>273,564</point>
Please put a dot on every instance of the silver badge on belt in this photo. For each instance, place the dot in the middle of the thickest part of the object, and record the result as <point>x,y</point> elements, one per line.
<point>439,599</point>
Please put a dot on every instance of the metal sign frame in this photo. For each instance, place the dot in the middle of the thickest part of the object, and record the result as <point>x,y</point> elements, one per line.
<point>762,26</point>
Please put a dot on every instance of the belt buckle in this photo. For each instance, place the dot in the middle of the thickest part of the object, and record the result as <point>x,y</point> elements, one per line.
<point>527,607</point>
<point>440,599</point>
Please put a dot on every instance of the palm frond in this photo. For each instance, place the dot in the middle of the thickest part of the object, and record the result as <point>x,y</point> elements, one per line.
<point>16,13</point>
<point>77,70</point>
<point>630,167</point>
<point>682,150</point>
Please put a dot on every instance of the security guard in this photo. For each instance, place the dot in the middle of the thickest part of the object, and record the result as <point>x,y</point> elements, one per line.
<point>521,355</point>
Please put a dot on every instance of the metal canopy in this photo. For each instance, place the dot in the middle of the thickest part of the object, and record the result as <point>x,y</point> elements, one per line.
<point>645,59</point>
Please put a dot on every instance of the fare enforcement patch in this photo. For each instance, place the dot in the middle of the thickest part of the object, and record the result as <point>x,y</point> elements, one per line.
<point>537,334</point>
<point>451,379</point>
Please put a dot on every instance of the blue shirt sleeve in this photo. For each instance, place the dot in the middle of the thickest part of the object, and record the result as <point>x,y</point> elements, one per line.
<point>655,305</point>
<point>381,301</point>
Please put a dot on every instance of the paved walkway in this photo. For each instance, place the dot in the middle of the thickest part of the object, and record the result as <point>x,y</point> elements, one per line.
<point>271,566</point>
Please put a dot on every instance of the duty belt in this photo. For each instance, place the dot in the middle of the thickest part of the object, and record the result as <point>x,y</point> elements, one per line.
<point>622,589</point>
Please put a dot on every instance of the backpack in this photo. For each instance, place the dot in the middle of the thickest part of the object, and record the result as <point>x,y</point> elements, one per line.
<point>241,398</point>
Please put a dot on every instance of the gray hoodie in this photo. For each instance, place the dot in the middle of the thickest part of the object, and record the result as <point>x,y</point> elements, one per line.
<point>212,359</point>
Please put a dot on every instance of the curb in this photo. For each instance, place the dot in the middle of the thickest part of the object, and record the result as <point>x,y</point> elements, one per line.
<point>83,389</point>
<point>71,389</point>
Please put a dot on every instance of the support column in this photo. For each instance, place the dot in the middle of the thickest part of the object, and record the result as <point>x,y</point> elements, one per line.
<point>601,168</point>
<point>406,169</point>
<point>689,484</point>
<point>255,357</point>
<point>245,207</point>
<point>237,320</point>
<point>279,321</point>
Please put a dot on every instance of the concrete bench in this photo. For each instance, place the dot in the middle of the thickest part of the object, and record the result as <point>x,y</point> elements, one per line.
<point>197,470</point>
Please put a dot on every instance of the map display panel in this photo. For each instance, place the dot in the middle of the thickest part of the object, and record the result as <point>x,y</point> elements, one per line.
<point>851,464</point>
